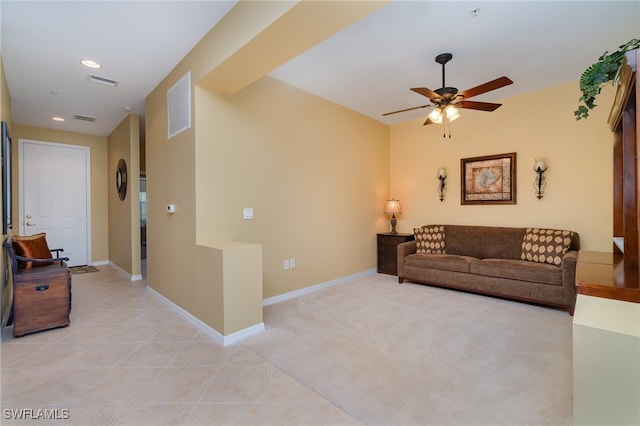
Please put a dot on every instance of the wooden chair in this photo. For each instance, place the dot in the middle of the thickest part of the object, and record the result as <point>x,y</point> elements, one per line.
<point>41,288</point>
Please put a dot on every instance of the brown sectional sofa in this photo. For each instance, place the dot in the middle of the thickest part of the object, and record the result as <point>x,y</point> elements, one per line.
<point>489,260</point>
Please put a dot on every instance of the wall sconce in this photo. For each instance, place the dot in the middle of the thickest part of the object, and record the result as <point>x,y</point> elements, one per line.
<point>393,207</point>
<point>442,188</point>
<point>540,167</point>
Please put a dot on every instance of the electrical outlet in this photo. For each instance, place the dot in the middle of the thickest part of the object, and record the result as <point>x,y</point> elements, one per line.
<point>292,262</point>
<point>286,264</point>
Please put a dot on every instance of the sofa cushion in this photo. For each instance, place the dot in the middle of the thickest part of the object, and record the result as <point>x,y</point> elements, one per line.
<point>545,245</point>
<point>491,242</point>
<point>518,270</point>
<point>443,262</point>
<point>430,239</point>
<point>33,246</point>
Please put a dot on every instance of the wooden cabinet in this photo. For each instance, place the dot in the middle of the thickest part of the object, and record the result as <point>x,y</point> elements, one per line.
<point>388,251</point>
<point>41,299</point>
<point>616,276</point>
<point>626,149</point>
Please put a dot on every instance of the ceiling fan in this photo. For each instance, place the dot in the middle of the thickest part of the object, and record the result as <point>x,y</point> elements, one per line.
<point>447,100</point>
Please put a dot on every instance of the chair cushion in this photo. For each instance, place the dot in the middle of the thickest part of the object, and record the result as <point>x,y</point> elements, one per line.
<point>430,239</point>
<point>545,245</point>
<point>33,246</point>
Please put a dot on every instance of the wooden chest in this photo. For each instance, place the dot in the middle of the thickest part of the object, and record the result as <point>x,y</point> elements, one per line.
<point>41,299</point>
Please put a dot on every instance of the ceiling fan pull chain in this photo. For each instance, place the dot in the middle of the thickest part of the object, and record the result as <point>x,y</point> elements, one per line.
<point>444,126</point>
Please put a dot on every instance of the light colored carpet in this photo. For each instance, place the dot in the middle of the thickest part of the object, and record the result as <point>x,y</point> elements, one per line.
<point>392,354</point>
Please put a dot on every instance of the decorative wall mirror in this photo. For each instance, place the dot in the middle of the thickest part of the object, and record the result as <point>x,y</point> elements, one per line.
<point>121,179</point>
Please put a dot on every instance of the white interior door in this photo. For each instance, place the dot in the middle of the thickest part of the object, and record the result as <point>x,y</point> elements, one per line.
<point>54,196</point>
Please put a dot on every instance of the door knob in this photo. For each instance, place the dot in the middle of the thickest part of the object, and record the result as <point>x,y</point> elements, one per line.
<point>30,224</point>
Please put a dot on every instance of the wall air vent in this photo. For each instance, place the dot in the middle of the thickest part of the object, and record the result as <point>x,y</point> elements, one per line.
<point>102,80</point>
<point>84,117</point>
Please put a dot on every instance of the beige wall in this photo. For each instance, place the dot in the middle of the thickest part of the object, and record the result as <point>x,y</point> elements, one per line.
<point>99,205</point>
<point>171,249</point>
<point>124,215</point>
<point>578,194</point>
<point>5,97</point>
<point>317,188</point>
<point>315,173</point>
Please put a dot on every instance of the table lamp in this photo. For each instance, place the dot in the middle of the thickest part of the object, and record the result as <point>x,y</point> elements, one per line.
<point>393,207</point>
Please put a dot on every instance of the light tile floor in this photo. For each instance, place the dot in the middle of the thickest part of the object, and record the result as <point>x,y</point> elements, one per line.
<point>128,359</point>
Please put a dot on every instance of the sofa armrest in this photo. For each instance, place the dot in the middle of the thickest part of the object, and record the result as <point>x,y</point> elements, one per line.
<point>568,266</point>
<point>403,250</point>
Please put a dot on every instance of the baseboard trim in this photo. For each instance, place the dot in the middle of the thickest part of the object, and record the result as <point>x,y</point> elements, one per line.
<point>317,287</point>
<point>136,277</point>
<point>224,340</point>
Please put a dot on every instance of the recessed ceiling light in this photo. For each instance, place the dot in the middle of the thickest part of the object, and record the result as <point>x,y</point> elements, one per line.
<point>56,118</point>
<point>90,64</point>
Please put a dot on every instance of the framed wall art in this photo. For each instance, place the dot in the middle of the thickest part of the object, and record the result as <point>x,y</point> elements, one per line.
<point>488,180</point>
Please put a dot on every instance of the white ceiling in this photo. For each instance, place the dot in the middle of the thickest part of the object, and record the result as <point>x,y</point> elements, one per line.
<point>137,42</point>
<point>369,67</point>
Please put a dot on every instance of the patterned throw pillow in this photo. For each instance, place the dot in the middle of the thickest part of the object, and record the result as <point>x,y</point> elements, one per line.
<point>545,245</point>
<point>33,246</point>
<point>430,239</point>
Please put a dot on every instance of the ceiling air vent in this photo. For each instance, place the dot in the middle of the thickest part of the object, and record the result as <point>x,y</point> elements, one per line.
<point>102,80</point>
<point>84,117</point>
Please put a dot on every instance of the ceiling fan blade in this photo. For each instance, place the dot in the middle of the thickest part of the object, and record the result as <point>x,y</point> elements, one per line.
<point>407,109</point>
<point>482,106</point>
<point>427,92</point>
<point>486,87</point>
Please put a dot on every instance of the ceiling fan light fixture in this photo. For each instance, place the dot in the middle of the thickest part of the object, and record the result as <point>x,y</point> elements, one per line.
<point>451,112</point>
<point>448,99</point>
<point>436,115</point>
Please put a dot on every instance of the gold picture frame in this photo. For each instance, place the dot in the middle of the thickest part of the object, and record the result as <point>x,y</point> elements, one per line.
<point>488,180</point>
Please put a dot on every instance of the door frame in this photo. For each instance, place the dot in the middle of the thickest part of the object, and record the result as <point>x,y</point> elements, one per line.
<point>87,168</point>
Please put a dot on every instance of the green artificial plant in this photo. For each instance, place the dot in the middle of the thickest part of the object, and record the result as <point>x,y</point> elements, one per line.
<point>597,75</point>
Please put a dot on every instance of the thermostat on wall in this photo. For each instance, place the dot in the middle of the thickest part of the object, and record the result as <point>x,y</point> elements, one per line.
<point>171,208</point>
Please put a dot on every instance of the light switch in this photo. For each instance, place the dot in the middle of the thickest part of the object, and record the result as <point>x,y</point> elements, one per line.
<point>248,213</point>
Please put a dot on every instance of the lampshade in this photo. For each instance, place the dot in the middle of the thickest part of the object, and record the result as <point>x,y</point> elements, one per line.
<point>393,206</point>
<point>451,112</point>
<point>436,116</point>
